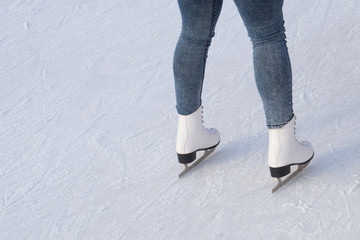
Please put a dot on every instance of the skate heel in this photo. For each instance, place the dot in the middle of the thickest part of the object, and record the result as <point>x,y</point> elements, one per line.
<point>186,158</point>
<point>280,171</point>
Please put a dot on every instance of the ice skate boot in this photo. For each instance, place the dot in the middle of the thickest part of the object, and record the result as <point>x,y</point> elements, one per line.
<point>285,151</point>
<point>193,137</point>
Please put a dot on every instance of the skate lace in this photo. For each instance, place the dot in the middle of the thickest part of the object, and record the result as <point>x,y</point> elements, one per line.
<point>202,114</point>
<point>202,118</point>
<point>301,142</point>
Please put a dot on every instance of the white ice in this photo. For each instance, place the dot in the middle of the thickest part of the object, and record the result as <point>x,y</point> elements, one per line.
<point>88,125</point>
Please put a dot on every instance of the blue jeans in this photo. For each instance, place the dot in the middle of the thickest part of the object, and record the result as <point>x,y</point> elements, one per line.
<point>265,25</point>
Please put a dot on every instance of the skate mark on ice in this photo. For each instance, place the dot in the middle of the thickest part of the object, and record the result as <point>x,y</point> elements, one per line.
<point>29,190</point>
<point>355,187</point>
<point>83,170</point>
<point>116,151</point>
<point>123,162</point>
<point>43,82</point>
<point>328,7</point>
<point>56,218</point>
<point>27,25</point>
<point>148,207</point>
<point>302,206</point>
<point>347,203</point>
<point>315,6</point>
<point>2,38</point>
<point>309,102</point>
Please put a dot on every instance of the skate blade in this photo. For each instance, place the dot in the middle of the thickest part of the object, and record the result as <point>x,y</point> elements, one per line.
<point>188,168</point>
<point>286,180</point>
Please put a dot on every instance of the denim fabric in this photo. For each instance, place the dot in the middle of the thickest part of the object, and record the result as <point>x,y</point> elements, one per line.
<point>265,25</point>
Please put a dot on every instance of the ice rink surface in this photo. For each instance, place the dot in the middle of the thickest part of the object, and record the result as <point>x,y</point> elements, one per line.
<point>88,125</point>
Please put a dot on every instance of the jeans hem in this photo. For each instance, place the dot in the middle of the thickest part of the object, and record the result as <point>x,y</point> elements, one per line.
<point>279,125</point>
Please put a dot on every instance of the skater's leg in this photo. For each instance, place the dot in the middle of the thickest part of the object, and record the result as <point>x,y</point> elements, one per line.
<point>265,25</point>
<point>199,18</point>
<point>264,22</point>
